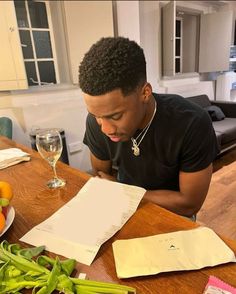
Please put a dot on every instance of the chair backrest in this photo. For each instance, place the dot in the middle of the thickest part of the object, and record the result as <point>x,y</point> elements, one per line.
<point>6,127</point>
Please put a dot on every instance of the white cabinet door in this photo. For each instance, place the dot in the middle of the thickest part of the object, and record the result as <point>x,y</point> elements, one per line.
<point>12,69</point>
<point>215,40</point>
<point>168,38</point>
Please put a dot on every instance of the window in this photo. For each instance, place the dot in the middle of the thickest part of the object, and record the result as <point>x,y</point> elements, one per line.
<point>178,45</point>
<point>33,19</point>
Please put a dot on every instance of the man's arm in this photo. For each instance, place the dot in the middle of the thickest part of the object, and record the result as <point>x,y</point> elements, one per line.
<point>193,190</point>
<point>102,168</point>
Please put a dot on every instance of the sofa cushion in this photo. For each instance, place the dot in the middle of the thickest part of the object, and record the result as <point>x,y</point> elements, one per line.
<point>215,112</point>
<point>227,128</point>
<point>201,100</point>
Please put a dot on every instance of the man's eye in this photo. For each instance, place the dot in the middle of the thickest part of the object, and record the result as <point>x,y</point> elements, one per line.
<point>116,116</point>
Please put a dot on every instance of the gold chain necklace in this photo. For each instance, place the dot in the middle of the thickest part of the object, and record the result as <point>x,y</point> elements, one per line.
<point>135,143</point>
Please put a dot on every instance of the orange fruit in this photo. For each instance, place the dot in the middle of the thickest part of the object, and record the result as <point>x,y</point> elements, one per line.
<point>2,222</point>
<point>5,190</point>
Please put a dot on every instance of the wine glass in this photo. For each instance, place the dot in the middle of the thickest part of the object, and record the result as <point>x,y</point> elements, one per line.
<point>49,145</point>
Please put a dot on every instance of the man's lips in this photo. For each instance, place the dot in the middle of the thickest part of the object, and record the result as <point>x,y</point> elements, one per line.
<point>115,138</point>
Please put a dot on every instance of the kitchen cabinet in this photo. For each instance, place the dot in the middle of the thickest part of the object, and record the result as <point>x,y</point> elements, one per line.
<point>205,40</point>
<point>12,70</point>
<point>216,31</point>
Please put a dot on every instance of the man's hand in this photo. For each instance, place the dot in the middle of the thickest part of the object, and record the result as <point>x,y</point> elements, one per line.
<point>102,168</point>
<point>103,175</point>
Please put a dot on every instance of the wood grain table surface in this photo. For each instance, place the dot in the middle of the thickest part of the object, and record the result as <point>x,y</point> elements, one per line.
<point>34,202</point>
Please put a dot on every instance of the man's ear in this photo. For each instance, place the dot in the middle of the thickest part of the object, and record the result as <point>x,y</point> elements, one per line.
<point>147,92</point>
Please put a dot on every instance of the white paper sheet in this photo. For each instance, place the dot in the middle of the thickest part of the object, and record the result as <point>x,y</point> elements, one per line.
<point>96,213</point>
<point>182,250</point>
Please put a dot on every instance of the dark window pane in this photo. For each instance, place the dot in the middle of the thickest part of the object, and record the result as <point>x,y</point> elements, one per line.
<point>177,65</point>
<point>47,71</point>
<point>42,44</point>
<point>21,14</point>
<point>178,28</point>
<point>177,47</point>
<point>38,15</point>
<point>26,44</point>
<point>31,73</point>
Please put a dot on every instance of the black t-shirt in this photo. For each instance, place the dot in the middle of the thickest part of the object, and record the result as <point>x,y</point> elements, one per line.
<point>180,138</point>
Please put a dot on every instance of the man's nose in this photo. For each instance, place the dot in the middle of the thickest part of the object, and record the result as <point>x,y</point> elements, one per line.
<point>107,127</point>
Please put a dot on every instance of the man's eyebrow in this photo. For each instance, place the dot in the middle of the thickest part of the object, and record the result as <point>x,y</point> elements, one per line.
<point>106,116</point>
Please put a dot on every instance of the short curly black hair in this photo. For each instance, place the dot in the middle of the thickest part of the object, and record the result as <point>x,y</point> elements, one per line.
<point>112,63</point>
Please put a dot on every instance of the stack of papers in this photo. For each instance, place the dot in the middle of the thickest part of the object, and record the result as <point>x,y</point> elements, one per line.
<point>177,251</point>
<point>11,156</point>
<point>95,214</point>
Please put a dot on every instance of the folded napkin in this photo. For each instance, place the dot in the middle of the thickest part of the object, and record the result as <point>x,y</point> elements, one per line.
<point>11,156</point>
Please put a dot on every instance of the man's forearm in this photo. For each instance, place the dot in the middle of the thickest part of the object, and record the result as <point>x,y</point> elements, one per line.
<point>172,200</point>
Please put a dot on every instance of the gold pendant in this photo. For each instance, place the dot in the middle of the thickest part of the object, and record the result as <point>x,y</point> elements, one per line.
<point>136,150</point>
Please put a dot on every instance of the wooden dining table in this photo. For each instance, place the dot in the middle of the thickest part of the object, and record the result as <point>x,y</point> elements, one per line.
<point>34,202</point>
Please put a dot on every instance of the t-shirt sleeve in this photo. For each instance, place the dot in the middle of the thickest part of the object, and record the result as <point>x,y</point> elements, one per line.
<point>95,140</point>
<point>199,145</point>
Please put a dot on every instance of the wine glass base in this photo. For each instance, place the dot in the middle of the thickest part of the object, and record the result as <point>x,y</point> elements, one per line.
<point>56,183</point>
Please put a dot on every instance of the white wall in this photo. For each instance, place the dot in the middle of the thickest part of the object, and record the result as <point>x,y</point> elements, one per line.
<point>86,22</point>
<point>140,21</point>
<point>62,108</point>
<point>150,39</point>
<point>128,23</point>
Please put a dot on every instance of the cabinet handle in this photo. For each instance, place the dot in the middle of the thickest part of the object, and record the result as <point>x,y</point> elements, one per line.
<point>12,29</point>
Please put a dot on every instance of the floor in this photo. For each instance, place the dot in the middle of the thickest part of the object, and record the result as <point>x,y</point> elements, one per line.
<point>216,213</point>
<point>225,159</point>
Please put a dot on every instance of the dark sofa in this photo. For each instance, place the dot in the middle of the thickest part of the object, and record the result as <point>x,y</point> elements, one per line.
<point>225,128</point>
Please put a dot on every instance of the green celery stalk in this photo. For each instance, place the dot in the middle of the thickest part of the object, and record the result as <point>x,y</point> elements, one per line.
<point>52,279</point>
<point>3,270</point>
<point>67,265</point>
<point>99,290</point>
<point>20,262</point>
<point>18,270</point>
<point>13,248</point>
<point>103,284</point>
<point>15,285</point>
<point>65,285</point>
<point>12,272</point>
<point>28,253</point>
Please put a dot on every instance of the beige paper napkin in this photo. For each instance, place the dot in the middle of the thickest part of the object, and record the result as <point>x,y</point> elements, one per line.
<point>11,156</point>
<point>182,250</point>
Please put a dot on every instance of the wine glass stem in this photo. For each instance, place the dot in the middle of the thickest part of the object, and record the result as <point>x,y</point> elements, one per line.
<point>54,171</point>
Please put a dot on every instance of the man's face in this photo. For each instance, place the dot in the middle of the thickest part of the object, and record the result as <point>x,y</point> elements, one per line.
<point>118,116</point>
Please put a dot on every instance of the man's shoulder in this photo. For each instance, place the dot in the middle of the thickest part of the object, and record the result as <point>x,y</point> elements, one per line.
<point>172,98</point>
<point>167,96</point>
<point>177,104</point>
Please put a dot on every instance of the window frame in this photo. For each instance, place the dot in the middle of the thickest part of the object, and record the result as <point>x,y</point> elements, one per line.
<point>52,43</point>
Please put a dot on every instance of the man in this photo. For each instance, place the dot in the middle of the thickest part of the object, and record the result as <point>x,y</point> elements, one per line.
<point>160,142</point>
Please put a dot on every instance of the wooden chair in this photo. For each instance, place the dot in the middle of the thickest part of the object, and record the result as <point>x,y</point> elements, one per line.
<point>6,127</point>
